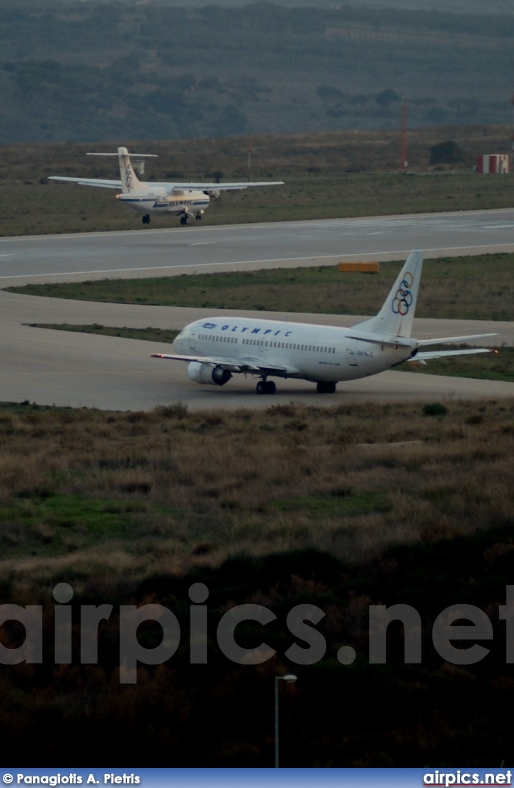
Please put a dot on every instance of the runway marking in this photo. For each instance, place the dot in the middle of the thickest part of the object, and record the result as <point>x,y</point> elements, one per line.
<point>424,218</point>
<point>314,259</point>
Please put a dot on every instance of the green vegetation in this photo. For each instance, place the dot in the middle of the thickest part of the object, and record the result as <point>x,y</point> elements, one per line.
<point>44,522</point>
<point>479,288</point>
<point>177,479</point>
<point>340,508</point>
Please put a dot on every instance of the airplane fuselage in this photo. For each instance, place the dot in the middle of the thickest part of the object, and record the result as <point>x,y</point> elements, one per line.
<point>309,352</point>
<point>157,199</point>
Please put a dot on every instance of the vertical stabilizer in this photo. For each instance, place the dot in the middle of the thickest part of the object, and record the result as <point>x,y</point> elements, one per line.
<point>129,179</point>
<point>396,316</point>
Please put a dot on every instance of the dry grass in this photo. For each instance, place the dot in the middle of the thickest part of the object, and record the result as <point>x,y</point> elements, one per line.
<point>124,496</point>
<point>327,175</point>
<point>132,508</point>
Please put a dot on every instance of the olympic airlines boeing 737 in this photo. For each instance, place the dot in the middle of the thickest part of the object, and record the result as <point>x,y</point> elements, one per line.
<point>215,348</point>
<point>177,199</point>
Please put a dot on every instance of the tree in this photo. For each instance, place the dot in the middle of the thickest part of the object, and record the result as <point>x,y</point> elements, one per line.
<point>387,97</point>
<point>329,93</point>
<point>447,152</point>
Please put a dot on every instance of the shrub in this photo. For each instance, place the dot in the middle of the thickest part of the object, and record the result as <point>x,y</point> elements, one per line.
<point>447,152</point>
<point>435,409</point>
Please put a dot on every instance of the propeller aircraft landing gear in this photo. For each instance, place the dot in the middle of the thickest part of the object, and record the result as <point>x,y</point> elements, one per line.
<point>184,219</point>
<point>146,219</point>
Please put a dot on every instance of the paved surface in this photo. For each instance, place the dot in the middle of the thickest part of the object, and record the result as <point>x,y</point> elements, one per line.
<point>56,367</point>
<point>161,252</point>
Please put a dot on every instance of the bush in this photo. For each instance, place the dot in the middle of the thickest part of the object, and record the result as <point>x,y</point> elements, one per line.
<point>446,153</point>
<point>435,409</point>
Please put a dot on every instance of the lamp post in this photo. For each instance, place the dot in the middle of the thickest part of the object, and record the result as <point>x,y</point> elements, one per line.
<point>290,678</point>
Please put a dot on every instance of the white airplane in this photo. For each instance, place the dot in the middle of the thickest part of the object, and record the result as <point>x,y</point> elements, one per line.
<point>217,347</point>
<point>177,199</point>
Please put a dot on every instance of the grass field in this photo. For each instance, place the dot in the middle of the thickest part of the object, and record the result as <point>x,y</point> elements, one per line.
<point>334,508</point>
<point>161,489</point>
<point>478,288</point>
<point>327,175</point>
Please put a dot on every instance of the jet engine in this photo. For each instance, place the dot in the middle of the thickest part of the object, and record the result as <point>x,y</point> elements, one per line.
<point>208,373</point>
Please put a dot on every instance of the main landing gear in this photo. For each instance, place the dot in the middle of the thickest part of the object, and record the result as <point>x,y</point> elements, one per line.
<point>184,220</point>
<point>265,387</point>
<point>146,219</point>
<point>324,387</point>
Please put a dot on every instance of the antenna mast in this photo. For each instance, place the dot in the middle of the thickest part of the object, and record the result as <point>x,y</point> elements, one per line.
<point>512,102</point>
<point>249,176</point>
<point>403,138</point>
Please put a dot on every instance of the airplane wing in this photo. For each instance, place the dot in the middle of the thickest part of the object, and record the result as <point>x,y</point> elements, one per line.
<point>220,187</point>
<point>248,364</point>
<point>431,354</point>
<point>171,188</point>
<point>88,181</point>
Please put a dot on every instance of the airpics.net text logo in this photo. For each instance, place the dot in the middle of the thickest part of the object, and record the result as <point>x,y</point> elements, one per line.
<point>308,645</point>
<point>458,777</point>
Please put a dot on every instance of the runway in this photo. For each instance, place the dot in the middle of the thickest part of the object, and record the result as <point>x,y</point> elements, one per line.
<point>79,370</point>
<point>202,248</point>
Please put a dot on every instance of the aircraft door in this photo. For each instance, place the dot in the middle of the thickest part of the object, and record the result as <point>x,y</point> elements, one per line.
<point>352,355</point>
<point>192,339</point>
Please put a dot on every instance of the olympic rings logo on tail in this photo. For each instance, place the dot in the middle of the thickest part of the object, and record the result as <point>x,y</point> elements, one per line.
<point>403,298</point>
<point>128,176</point>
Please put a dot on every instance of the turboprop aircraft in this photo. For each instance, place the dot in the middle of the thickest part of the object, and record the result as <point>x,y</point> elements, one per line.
<point>178,199</point>
<point>215,348</point>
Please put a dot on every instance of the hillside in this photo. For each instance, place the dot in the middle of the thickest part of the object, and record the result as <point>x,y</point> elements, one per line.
<point>91,71</point>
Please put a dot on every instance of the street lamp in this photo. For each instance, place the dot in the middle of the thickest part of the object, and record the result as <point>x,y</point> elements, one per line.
<point>290,678</point>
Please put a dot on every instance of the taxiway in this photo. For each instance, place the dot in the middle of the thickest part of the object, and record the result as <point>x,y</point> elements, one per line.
<point>83,370</point>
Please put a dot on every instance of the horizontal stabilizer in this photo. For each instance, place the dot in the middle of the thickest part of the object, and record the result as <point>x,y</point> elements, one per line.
<point>133,155</point>
<point>87,182</point>
<point>220,187</point>
<point>445,340</point>
<point>382,339</point>
<point>431,354</point>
